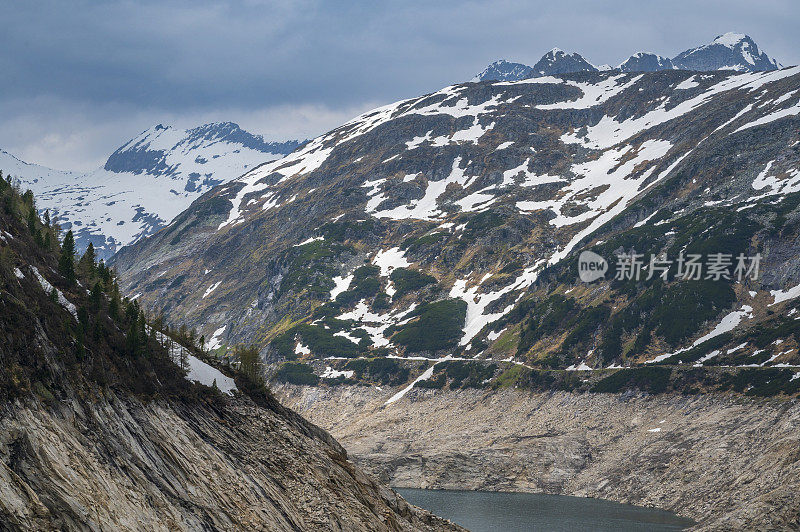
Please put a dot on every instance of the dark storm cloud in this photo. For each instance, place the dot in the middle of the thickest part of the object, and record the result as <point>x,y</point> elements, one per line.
<point>130,62</point>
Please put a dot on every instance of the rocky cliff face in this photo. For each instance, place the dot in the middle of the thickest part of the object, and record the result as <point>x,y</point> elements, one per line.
<point>728,463</point>
<point>117,463</point>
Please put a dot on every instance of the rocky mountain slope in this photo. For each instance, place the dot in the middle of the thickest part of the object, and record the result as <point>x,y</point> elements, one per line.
<point>727,463</point>
<point>146,182</point>
<point>449,225</point>
<point>731,51</point>
<point>100,430</point>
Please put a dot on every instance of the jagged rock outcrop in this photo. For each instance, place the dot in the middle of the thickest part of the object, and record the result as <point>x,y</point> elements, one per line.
<point>117,463</point>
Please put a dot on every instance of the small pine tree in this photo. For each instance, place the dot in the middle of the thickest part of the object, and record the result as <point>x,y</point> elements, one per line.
<point>27,198</point>
<point>66,262</point>
<point>47,218</point>
<point>56,228</point>
<point>96,296</point>
<point>32,219</point>
<point>87,265</point>
<point>250,363</point>
<point>114,306</point>
<point>132,339</point>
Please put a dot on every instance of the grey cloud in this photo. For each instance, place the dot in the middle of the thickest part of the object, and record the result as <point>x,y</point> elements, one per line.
<point>116,64</point>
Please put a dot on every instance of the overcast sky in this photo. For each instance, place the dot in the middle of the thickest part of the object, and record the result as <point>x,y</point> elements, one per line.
<point>81,77</point>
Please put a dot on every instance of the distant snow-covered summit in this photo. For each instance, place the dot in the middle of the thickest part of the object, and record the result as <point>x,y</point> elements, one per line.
<point>503,70</point>
<point>162,150</point>
<point>559,62</point>
<point>146,182</point>
<point>645,62</point>
<point>731,51</point>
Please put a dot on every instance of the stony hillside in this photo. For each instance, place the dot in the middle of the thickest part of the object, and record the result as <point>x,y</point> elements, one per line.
<point>448,225</point>
<point>145,183</point>
<point>101,430</point>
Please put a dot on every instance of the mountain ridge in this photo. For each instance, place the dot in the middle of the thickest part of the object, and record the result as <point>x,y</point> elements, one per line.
<point>730,51</point>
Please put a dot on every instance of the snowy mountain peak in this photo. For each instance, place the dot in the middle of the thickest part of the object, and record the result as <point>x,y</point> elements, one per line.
<point>145,182</point>
<point>730,51</point>
<point>158,150</point>
<point>645,62</point>
<point>503,70</point>
<point>730,39</point>
<point>557,61</point>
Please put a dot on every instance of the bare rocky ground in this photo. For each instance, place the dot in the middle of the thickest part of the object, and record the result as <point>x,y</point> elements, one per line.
<point>727,462</point>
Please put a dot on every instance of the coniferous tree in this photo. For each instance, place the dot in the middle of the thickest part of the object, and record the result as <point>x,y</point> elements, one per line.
<point>105,274</point>
<point>66,262</point>
<point>132,339</point>
<point>250,363</point>
<point>96,296</point>
<point>27,198</point>
<point>32,218</point>
<point>87,263</point>
<point>56,228</point>
<point>47,218</point>
<point>113,308</point>
<point>115,304</point>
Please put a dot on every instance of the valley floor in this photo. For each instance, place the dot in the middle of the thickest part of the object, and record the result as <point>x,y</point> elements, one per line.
<point>727,462</point>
